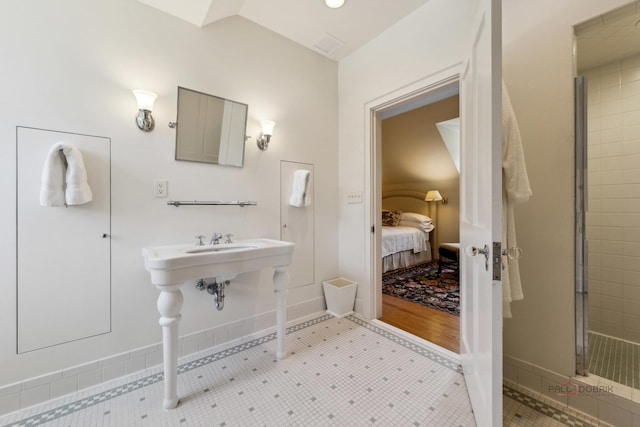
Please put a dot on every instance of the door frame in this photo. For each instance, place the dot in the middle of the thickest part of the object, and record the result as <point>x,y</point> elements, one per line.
<point>581,243</point>
<point>403,97</point>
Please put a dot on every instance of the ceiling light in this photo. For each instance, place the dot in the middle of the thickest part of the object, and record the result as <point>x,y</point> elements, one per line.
<point>334,4</point>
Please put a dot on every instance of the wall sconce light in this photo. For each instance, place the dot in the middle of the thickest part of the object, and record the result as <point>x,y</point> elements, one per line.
<point>334,4</point>
<point>435,196</point>
<point>144,119</point>
<point>265,136</point>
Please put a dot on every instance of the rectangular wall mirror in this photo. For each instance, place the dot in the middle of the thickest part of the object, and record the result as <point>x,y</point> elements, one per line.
<point>210,129</point>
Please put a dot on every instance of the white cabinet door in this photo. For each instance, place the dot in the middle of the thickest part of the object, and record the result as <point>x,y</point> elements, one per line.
<point>63,253</point>
<point>297,225</point>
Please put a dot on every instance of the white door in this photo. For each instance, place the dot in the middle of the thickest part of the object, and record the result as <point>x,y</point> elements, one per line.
<point>480,216</point>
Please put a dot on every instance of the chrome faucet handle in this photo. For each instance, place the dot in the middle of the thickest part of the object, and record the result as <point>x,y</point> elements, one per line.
<point>215,239</point>
<point>228,236</point>
<point>200,237</point>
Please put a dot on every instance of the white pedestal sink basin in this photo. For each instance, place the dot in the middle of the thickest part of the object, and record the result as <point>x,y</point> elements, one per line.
<point>170,266</point>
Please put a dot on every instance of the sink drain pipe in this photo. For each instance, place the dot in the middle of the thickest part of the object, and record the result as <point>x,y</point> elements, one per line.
<point>216,289</point>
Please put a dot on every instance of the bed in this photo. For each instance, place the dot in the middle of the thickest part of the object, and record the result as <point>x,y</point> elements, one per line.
<point>405,239</point>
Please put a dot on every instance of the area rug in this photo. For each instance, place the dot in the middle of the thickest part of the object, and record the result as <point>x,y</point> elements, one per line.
<point>422,284</point>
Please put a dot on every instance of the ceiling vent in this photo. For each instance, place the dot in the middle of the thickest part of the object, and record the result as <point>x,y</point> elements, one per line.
<point>328,44</point>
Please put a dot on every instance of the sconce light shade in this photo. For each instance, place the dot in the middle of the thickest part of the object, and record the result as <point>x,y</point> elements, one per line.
<point>145,100</point>
<point>433,196</point>
<point>334,4</point>
<point>265,136</point>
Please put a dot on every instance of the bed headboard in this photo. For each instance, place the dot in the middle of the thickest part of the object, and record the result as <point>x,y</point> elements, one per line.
<point>405,200</point>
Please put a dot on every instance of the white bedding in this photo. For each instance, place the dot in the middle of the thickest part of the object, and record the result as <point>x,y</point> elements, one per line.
<point>400,238</point>
<point>404,247</point>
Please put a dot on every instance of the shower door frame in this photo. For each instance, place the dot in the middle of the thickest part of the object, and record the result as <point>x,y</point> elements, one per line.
<point>581,200</point>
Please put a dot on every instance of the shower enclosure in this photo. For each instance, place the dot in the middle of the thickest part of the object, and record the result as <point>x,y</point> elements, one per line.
<point>608,196</point>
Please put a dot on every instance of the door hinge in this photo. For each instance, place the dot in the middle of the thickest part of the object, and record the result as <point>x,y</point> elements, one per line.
<point>373,229</point>
<point>497,260</point>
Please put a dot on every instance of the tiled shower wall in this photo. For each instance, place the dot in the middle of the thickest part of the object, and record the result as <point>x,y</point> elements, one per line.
<point>613,218</point>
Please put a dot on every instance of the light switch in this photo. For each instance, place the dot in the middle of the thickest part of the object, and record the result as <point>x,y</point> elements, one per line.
<point>354,197</point>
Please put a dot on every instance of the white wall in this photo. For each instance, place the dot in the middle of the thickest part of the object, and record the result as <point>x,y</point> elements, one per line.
<point>70,65</point>
<point>538,70</point>
<point>613,220</point>
<point>417,47</point>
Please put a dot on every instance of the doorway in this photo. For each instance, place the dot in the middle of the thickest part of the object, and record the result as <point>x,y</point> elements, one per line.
<point>418,294</point>
<point>608,244</point>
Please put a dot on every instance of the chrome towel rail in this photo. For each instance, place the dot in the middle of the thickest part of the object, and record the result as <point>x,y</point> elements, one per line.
<point>210,203</point>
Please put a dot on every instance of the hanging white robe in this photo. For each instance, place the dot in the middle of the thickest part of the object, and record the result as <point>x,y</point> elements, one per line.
<point>515,190</point>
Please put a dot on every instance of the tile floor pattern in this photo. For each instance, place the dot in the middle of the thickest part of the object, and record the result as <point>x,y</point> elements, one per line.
<point>339,372</point>
<point>524,408</point>
<point>342,372</point>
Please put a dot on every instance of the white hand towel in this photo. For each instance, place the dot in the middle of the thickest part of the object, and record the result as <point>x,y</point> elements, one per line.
<point>62,187</point>
<point>78,191</point>
<point>300,195</point>
<point>53,176</point>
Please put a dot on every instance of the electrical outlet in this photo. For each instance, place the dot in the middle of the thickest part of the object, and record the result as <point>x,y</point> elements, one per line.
<point>354,197</point>
<point>160,188</point>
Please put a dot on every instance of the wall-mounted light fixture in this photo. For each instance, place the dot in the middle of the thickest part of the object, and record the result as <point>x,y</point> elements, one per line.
<point>435,196</point>
<point>334,4</point>
<point>144,119</point>
<point>265,136</point>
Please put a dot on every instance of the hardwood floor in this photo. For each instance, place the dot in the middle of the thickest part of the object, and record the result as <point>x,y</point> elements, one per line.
<point>436,326</point>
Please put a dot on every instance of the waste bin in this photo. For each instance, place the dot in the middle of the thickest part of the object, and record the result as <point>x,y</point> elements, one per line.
<point>340,296</point>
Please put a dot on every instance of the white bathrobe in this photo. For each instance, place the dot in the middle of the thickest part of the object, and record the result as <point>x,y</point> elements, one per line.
<point>515,190</point>
<point>64,184</point>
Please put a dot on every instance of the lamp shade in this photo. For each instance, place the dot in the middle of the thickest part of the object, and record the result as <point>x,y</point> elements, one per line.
<point>433,196</point>
<point>145,99</point>
<point>267,127</point>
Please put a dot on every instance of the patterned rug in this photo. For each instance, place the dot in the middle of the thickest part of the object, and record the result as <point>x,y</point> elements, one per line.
<point>423,285</point>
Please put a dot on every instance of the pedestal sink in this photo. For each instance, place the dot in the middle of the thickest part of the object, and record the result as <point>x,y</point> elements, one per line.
<point>170,266</point>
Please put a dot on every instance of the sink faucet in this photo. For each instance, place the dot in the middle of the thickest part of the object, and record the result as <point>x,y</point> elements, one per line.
<point>215,240</point>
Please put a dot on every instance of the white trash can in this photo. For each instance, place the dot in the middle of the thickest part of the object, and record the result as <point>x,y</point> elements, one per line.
<point>340,295</point>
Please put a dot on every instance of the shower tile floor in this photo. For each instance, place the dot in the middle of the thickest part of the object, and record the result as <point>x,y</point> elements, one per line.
<point>614,359</point>
<point>339,371</point>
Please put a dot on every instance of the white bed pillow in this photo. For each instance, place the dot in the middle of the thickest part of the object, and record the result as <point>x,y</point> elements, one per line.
<point>418,225</point>
<point>415,217</point>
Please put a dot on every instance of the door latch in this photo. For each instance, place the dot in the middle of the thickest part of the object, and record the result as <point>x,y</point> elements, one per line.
<point>497,260</point>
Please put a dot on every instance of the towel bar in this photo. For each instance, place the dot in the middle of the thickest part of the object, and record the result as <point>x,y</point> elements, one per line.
<point>210,203</point>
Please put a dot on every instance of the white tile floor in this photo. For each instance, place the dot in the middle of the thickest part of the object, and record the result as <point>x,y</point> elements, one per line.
<point>340,372</point>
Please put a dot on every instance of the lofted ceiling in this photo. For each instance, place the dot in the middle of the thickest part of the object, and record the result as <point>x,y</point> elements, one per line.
<point>609,37</point>
<point>334,33</point>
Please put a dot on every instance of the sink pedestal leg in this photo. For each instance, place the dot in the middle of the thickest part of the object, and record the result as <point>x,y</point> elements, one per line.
<point>169,306</point>
<point>280,283</point>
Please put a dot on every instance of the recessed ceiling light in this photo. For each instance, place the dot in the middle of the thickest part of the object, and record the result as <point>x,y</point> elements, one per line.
<point>334,4</point>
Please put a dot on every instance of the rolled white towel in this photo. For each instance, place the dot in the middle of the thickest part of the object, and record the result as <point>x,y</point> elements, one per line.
<point>53,177</point>
<point>78,191</point>
<point>62,187</point>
